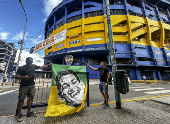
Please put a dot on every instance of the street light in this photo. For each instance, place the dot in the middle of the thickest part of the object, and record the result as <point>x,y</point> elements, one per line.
<point>22,41</point>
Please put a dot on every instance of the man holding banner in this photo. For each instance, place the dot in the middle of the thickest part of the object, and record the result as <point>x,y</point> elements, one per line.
<point>104,79</point>
<point>26,74</point>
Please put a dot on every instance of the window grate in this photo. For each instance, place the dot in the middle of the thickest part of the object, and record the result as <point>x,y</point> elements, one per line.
<point>117,12</point>
<point>93,14</point>
<point>136,14</point>
<point>74,18</point>
<point>74,42</point>
<point>59,25</point>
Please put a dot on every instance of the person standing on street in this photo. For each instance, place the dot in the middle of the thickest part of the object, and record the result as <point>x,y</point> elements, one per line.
<point>26,74</point>
<point>144,78</point>
<point>13,78</point>
<point>104,79</point>
<point>4,79</point>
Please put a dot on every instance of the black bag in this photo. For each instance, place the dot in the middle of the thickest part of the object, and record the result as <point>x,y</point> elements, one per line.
<point>122,82</point>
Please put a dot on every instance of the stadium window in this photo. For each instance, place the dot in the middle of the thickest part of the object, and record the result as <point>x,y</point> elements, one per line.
<point>60,45</point>
<point>148,8</point>
<point>94,39</point>
<point>96,62</point>
<point>74,18</point>
<point>51,31</point>
<point>164,21</point>
<point>121,42</point>
<point>116,2</point>
<point>90,61</point>
<point>135,14</point>
<point>117,12</point>
<point>74,42</point>
<point>150,16</point>
<point>160,60</point>
<point>143,59</point>
<point>93,14</point>
<point>77,60</point>
<point>59,25</point>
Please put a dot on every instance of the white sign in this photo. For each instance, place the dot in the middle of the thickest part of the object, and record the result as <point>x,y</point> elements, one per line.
<point>3,64</point>
<point>49,42</point>
<point>94,39</point>
<point>168,54</point>
<point>2,68</point>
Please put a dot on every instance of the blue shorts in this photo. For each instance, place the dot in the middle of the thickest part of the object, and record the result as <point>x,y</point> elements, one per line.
<point>102,87</point>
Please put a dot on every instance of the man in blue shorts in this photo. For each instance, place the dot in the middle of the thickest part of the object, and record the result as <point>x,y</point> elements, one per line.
<point>104,79</point>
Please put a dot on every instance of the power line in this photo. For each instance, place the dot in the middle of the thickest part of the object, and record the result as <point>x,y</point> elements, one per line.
<point>36,34</point>
<point>27,4</point>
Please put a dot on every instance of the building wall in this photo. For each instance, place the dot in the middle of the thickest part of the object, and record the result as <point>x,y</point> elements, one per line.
<point>140,33</point>
<point>5,52</point>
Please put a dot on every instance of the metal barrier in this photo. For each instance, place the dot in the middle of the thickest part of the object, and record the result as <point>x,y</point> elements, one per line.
<point>43,80</point>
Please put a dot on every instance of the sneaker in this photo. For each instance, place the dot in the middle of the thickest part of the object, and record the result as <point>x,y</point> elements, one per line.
<point>31,114</point>
<point>104,102</point>
<point>19,118</point>
<point>106,106</point>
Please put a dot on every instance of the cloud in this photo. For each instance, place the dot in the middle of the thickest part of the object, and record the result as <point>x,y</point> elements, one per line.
<point>44,20</point>
<point>20,36</point>
<point>49,5</point>
<point>37,59</point>
<point>4,35</point>
<point>40,36</point>
<point>37,40</point>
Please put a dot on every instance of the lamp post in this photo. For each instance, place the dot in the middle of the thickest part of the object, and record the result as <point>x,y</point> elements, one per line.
<point>112,55</point>
<point>22,41</point>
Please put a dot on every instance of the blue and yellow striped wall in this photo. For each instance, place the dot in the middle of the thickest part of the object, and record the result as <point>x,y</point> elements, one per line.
<point>141,33</point>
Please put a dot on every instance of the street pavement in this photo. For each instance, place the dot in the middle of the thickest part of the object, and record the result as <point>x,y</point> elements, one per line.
<point>9,95</point>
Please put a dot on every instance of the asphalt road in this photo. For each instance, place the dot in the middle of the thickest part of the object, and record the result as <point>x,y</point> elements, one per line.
<point>8,98</point>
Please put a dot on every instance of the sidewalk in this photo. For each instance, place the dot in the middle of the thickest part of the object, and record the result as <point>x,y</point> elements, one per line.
<point>134,112</point>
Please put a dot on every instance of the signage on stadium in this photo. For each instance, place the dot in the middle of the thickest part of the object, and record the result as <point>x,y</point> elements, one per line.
<point>49,42</point>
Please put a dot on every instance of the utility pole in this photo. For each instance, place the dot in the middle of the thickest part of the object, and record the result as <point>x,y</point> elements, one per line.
<point>112,55</point>
<point>22,41</point>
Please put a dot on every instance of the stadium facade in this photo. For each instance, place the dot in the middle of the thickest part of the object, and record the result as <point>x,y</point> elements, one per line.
<point>141,33</point>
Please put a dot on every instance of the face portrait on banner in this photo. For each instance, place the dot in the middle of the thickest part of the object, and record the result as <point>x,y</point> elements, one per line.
<point>71,89</point>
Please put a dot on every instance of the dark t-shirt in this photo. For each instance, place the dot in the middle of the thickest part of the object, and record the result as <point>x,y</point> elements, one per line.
<point>103,73</point>
<point>27,70</point>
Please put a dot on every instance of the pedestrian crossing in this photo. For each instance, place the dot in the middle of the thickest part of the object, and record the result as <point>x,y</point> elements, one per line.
<point>3,93</point>
<point>149,90</point>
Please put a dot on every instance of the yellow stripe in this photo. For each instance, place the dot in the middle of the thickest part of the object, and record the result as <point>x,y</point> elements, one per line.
<point>94,27</point>
<point>131,100</point>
